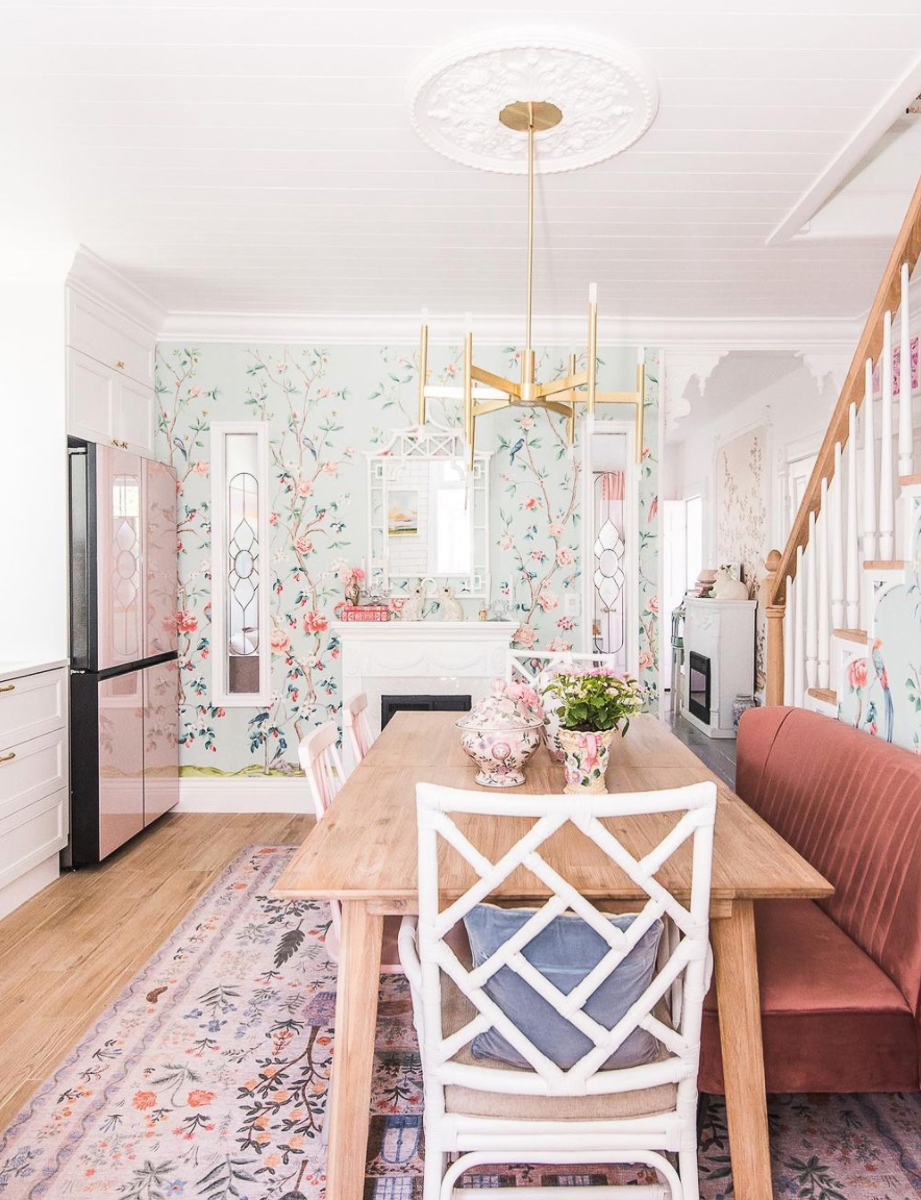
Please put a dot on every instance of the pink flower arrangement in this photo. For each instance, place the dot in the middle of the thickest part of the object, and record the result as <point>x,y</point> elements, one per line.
<point>349,575</point>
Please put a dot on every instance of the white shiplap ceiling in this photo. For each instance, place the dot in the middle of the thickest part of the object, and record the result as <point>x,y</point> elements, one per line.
<point>259,157</point>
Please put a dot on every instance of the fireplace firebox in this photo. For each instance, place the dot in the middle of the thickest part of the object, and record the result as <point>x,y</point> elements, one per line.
<point>699,686</point>
<point>395,704</point>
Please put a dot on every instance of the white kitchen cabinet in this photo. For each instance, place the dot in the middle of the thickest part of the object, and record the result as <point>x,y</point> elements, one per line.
<point>106,407</point>
<point>33,778</point>
<point>110,377</point>
<point>110,338</point>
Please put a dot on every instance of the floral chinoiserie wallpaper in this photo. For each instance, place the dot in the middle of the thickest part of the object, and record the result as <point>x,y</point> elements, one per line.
<point>881,691</point>
<point>324,409</point>
<point>742,519</point>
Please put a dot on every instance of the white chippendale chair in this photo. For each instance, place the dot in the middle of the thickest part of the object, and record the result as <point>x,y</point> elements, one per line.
<point>529,666</point>
<point>357,727</point>
<point>321,763</point>
<point>494,1113</point>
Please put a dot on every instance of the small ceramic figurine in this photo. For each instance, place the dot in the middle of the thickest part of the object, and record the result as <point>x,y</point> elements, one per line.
<point>449,607</point>
<point>727,587</point>
<point>414,604</point>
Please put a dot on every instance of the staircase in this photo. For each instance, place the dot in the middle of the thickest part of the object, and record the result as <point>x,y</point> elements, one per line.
<point>844,596</point>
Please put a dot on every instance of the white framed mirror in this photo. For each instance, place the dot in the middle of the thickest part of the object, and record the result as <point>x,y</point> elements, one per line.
<point>428,516</point>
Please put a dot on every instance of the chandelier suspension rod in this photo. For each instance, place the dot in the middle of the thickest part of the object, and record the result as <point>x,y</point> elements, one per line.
<point>530,221</point>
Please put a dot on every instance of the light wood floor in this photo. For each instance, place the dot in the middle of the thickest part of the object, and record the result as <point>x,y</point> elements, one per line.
<point>66,954</point>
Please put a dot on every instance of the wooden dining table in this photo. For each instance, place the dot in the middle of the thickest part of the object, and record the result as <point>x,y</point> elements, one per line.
<point>364,854</point>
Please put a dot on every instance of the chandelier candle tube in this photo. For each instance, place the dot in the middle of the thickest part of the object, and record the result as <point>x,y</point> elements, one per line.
<point>423,363</point>
<point>592,363</point>
<point>469,422</point>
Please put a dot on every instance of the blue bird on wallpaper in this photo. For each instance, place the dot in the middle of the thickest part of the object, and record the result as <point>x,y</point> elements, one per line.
<point>178,443</point>
<point>870,719</point>
<point>308,442</point>
<point>516,449</point>
<point>880,669</point>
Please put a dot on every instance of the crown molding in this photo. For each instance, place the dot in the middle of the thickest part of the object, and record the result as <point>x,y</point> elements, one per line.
<point>339,329</point>
<point>93,277</point>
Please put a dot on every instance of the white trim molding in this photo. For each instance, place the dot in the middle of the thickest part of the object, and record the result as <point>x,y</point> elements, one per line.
<point>93,277</point>
<point>349,329</point>
<point>245,794</point>
<point>682,367</point>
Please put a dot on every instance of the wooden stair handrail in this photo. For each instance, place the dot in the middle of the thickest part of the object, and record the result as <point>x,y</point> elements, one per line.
<point>907,248</point>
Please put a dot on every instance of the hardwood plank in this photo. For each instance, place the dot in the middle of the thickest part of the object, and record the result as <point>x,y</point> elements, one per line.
<point>67,953</point>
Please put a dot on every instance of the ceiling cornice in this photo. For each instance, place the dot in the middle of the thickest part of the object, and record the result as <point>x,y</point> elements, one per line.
<point>381,329</point>
<point>93,276</point>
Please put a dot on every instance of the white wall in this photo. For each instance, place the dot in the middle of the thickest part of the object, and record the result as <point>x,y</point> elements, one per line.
<point>33,452</point>
<point>744,391</point>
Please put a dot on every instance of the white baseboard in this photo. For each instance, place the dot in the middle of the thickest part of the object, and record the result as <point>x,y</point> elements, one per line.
<point>244,795</point>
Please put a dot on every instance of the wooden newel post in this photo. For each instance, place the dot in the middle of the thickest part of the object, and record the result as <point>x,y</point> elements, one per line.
<point>775,614</point>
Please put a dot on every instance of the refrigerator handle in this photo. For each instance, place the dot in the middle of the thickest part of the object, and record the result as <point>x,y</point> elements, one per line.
<point>80,567</point>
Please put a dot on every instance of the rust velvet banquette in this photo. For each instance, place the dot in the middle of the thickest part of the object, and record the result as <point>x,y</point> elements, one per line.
<point>840,978</point>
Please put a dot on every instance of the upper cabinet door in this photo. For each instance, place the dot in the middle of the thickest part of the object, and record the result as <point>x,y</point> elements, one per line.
<point>120,558</point>
<point>135,416</point>
<point>91,398</point>
<point>160,572</point>
<point>110,337</point>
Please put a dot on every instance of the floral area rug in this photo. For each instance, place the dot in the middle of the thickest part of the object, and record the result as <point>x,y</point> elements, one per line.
<point>207,1080</point>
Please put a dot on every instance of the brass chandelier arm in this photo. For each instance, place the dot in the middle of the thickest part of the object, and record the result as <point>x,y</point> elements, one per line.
<point>496,381</point>
<point>554,386</point>
<point>488,406</point>
<point>564,410</point>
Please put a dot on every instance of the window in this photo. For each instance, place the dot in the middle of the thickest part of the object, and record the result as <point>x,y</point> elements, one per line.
<point>694,537</point>
<point>240,561</point>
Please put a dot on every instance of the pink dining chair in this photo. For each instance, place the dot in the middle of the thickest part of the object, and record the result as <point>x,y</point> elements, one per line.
<point>321,763</point>
<point>356,725</point>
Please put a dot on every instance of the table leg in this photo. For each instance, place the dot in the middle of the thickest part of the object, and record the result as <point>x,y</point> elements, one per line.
<point>361,938</point>
<point>738,997</point>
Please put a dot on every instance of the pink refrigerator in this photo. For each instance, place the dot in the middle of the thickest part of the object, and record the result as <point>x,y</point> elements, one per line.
<point>124,669</point>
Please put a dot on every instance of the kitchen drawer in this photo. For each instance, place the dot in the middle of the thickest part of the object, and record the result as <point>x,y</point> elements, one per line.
<point>31,835</point>
<point>31,706</point>
<point>110,338</point>
<point>36,768</point>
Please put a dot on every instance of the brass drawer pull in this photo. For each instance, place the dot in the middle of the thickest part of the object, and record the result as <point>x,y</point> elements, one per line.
<point>6,757</point>
<point>8,687</point>
<point>120,365</point>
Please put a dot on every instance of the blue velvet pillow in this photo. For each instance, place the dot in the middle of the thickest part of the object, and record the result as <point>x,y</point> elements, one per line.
<point>565,952</point>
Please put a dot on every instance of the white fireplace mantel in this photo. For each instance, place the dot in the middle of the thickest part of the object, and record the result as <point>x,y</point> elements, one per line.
<point>408,658</point>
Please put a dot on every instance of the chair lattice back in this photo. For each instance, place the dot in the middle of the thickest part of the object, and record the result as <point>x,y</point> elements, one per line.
<point>322,765</point>
<point>529,666</point>
<point>683,951</point>
<point>357,727</point>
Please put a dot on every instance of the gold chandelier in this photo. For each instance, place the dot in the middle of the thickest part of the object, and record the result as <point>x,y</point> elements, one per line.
<point>485,392</point>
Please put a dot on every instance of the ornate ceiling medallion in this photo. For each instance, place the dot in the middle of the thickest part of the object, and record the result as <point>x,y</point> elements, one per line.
<point>606,90</point>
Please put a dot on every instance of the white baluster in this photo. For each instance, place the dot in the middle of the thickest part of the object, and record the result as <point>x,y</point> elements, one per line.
<point>836,534</point>
<point>886,481</point>
<point>852,538</point>
<point>799,637</point>
<point>823,602</point>
<point>789,645</point>
<point>812,608</point>
<point>869,466</point>
<point>906,457</point>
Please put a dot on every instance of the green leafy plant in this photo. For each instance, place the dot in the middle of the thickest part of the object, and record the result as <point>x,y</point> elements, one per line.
<point>594,700</point>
